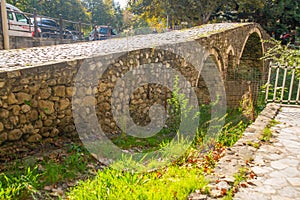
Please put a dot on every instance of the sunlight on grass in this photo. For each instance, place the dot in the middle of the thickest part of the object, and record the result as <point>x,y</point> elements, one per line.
<point>173,183</point>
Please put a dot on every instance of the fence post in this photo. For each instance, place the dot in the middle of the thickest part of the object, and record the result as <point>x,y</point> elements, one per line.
<point>36,33</point>
<point>80,29</point>
<point>60,26</point>
<point>4,25</point>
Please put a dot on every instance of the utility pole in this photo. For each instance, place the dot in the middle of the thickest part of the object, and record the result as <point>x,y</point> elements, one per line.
<point>4,25</point>
<point>167,22</point>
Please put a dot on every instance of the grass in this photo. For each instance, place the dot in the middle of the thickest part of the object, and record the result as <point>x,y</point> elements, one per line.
<point>174,181</point>
<point>171,183</point>
<point>267,132</point>
<point>239,177</point>
<point>24,178</point>
<point>19,186</point>
<point>145,144</point>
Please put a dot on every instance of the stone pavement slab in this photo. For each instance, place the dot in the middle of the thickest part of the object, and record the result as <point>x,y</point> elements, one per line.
<point>277,165</point>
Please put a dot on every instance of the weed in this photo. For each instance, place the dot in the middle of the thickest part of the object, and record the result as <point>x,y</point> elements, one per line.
<point>267,134</point>
<point>239,177</point>
<point>19,186</point>
<point>27,102</point>
<point>231,133</point>
<point>253,144</point>
<point>273,122</point>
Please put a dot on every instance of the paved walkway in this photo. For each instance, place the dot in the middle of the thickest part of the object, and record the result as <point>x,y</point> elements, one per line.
<point>277,165</point>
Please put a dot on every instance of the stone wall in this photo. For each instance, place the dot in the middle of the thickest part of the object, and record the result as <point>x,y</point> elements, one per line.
<point>36,102</point>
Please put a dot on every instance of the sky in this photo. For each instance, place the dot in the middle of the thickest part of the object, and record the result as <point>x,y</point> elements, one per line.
<point>122,3</point>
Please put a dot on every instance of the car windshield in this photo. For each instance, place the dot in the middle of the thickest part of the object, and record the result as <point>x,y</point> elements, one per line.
<point>103,30</point>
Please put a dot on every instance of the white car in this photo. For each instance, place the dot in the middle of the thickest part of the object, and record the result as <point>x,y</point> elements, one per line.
<point>18,23</point>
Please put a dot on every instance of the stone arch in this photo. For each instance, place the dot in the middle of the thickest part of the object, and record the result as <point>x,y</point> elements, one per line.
<point>230,67</point>
<point>253,32</point>
<point>217,58</point>
<point>252,51</point>
<point>249,69</point>
<point>230,49</point>
<point>208,78</point>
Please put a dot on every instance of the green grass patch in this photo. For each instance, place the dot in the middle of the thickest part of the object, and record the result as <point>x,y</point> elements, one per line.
<point>19,186</point>
<point>23,178</point>
<point>173,183</point>
<point>145,144</point>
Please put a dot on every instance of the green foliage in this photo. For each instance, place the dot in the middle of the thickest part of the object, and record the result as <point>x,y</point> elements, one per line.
<point>173,183</point>
<point>98,12</point>
<point>104,12</point>
<point>71,166</point>
<point>192,11</point>
<point>282,54</point>
<point>231,133</point>
<point>280,16</point>
<point>178,107</point>
<point>240,176</point>
<point>19,186</point>
<point>145,144</point>
<point>267,132</point>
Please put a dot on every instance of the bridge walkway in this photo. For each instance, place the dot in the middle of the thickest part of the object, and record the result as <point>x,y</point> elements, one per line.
<point>271,168</point>
<point>277,165</point>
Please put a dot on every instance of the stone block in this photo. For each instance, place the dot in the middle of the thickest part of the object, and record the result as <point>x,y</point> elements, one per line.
<point>15,135</point>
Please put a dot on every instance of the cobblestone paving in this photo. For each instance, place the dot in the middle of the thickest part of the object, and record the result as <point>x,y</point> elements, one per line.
<point>20,58</point>
<point>277,165</point>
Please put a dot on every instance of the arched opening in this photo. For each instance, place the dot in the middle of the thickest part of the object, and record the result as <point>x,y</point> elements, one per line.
<point>246,77</point>
<point>230,65</point>
<point>250,62</point>
<point>215,55</point>
<point>211,65</point>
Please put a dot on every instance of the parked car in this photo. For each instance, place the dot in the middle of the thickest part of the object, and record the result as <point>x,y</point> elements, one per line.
<point>51,29</point>
<point>103,33</point>
<point>18,22</point>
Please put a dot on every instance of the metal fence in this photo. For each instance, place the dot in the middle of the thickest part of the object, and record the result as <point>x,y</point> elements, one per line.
<point>62,28</point>
<point>283,84</point>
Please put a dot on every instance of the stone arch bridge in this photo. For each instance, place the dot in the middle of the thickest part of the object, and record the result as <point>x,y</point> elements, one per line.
<point>38,85</point>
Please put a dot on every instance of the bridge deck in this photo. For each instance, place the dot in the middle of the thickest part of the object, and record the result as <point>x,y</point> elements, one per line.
<point>275,164</point>
<point>20,58</point>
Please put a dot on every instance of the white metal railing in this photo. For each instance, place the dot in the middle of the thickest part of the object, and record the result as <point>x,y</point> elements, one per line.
<point>283,84</point>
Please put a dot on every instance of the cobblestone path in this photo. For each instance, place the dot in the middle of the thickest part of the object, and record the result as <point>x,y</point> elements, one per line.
<point>277,165</point>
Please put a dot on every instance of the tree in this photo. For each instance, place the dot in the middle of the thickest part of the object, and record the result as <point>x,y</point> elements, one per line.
<point>280,16</point>
<point>104,12</point>
<point>192,11</point>
<point>69,9</point>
